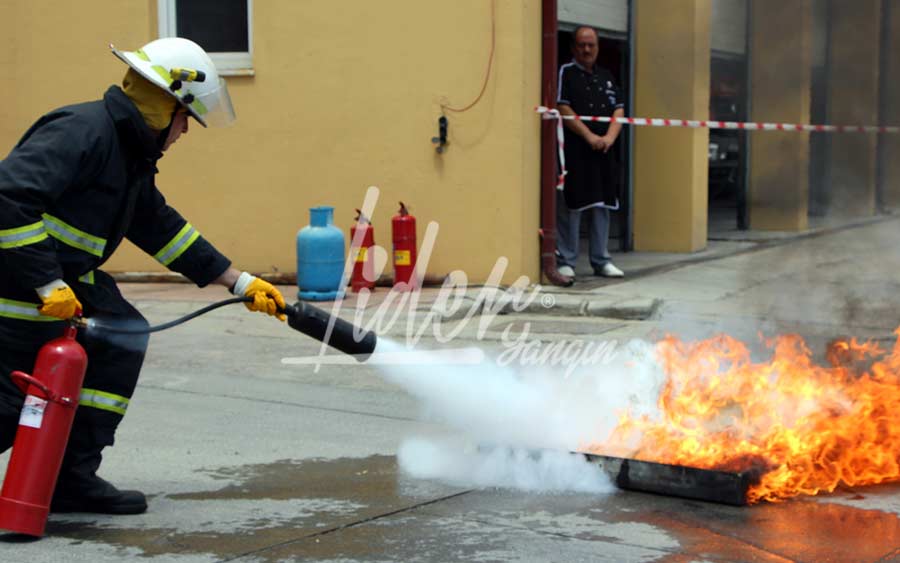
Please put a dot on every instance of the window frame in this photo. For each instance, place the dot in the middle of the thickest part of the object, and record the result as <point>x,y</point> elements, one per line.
<point>227,63</point>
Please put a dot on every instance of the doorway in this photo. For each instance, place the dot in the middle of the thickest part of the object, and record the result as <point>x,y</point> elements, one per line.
<point>727,148</point>
<point>614,56</point>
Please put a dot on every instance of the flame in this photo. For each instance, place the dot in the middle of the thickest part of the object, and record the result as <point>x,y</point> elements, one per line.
<point>799,427</point>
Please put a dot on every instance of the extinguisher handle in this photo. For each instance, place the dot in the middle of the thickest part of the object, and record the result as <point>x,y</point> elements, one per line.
<point>23,380</point>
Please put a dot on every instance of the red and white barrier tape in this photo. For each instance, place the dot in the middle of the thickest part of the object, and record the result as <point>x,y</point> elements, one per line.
<point>551,113</point>
<point>560,142</point>
<point>738,125</point>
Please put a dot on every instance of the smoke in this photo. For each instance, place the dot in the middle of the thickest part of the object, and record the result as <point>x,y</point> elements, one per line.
<point>517,468</point>
<point>515,426</point>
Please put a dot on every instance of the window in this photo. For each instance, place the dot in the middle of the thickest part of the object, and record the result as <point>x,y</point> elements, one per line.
<point>222,27</point>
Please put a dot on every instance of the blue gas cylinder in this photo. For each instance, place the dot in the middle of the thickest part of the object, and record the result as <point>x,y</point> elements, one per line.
<point>320,257</point>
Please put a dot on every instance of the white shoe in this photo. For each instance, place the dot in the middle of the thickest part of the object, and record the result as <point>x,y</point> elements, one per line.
<point>610,271</point>
<point>566,271</point>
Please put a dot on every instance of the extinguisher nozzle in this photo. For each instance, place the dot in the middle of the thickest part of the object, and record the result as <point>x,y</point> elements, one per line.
<point>344,336</point>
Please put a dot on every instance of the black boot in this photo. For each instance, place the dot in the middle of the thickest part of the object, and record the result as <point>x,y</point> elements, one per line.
<point>90,493</point>
<point>79,489</point>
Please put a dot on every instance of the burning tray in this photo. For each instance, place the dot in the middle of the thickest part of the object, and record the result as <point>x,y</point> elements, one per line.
<point>677,480</point>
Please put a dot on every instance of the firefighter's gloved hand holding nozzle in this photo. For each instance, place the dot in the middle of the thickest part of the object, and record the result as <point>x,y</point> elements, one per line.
<point>266,298</point>
<point>59,300</point>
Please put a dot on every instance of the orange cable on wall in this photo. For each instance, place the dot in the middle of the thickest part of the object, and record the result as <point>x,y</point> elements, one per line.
<point>487,76</point>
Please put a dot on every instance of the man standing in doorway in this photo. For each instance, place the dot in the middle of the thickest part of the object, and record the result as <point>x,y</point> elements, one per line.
<point>591,182</point>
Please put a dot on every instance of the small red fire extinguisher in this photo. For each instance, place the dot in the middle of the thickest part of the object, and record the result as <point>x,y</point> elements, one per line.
<point>403,231</point>
<point>51,397</point>
<point>364,266</point>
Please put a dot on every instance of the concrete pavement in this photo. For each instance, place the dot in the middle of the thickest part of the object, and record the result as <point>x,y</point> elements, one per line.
<point>250,459</point>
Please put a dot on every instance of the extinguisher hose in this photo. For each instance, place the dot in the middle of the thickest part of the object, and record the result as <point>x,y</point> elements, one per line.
<point>302,317</point>
<point>147,330</point>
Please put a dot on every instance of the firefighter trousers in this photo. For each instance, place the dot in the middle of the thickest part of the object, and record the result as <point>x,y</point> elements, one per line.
<point>114,363</point>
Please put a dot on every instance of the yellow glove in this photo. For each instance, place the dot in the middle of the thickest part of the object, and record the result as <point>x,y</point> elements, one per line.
<point>59,300</point>
<point>266,298</point>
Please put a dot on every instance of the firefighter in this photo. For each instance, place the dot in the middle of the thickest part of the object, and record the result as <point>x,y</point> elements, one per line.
<point>81,180</point>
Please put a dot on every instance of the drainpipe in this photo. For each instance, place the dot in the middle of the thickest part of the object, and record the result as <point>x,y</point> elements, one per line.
<point>548,147</point>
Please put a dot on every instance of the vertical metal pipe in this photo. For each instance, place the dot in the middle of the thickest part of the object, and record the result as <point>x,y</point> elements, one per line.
<point>628,243</point>
<point>827,149</point>
<point>880,150</point>
<point>548,145</point>
<point>743,211</point>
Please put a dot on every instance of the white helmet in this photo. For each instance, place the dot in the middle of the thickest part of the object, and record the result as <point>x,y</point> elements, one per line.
<point>184,70</point>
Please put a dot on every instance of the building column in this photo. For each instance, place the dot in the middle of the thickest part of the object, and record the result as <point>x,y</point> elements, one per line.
<point>671,164</point>
<point>855,29</point>
<point>889,145</point>
<point>780,39</point>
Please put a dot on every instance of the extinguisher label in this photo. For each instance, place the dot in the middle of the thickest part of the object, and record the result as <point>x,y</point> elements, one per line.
<point>402,258</point>
<point>33,412</point>
<point>363,252</point>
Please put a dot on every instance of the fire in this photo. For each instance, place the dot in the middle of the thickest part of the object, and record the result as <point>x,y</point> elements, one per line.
<point>802,428</point>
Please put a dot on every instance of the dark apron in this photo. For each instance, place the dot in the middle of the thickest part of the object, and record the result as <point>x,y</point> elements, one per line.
<point>592,176</point>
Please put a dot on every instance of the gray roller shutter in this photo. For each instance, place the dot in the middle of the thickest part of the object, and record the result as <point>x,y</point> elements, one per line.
<point>729,26</point>
<point>608,15</point>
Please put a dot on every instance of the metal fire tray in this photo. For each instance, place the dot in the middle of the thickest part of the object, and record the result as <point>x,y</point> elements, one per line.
<point>677,480</point>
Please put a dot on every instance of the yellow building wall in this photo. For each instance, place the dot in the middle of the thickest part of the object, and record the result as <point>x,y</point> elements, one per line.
<point>56,53</point>
<point>671,165</point>
<point>854,60</point>
<point>781,38</point>
<point>340,101</point>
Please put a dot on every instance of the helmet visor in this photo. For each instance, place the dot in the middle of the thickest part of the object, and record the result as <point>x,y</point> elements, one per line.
<point>213,107</point>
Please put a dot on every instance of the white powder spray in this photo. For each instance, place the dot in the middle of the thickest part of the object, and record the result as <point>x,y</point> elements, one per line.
<point>516,426</point>
<point>497,466</point>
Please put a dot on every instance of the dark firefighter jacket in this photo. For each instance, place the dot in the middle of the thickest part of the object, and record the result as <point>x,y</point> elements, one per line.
<point>80,180</point>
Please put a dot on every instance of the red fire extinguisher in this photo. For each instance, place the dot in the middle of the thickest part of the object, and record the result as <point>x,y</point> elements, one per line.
<point>364,266</point>
<point>403,231</point>
<point>51,397</point>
